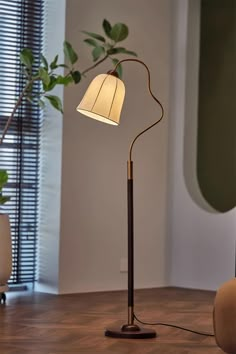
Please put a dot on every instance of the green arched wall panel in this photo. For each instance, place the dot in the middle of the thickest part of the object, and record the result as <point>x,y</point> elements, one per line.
<point>216,151</point>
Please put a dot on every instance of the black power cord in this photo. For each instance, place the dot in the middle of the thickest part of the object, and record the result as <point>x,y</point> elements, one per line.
<point>174,326</point>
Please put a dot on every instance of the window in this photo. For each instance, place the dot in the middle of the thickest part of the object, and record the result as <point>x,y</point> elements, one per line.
<point>21,26</point>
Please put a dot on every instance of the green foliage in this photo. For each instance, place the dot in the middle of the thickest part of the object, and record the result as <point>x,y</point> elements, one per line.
<point>119,67</point>
<point>27,58</point>
<point>119,50</point>
<point>49,85</point>
<point>55,102</point>
<point>46,73</point>
<point>102,47</point>
<point>76,76</point>
<point>43,74</point>
<point>91,42</point>
<point>3,199</point>
<point>41,103</point>
<point>119,32</point>
<point>53,64</point>
<point>3,178</point>
<point>107,28</point>
<point>107,48</point>
<point>95,35</point>
<point>3,182</point>
<point>97,52</point>
<point>44,61</point>
<point>64,80</point>
<point>69,52</point>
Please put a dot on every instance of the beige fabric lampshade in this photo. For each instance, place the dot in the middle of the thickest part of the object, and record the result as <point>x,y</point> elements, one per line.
<point>103,99</point>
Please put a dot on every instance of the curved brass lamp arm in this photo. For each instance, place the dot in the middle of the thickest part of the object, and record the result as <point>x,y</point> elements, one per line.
<point>150,91</point>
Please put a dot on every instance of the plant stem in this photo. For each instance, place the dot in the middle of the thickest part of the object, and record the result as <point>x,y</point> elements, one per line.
<point>96,64</point>
<point>18,102</point>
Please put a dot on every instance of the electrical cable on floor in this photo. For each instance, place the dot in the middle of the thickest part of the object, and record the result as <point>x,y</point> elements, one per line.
<point>174,326</point>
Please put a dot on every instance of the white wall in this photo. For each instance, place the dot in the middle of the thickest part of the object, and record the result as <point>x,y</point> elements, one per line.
<point>201,241</point>
<point>83,221</point>
<point>93,208</point>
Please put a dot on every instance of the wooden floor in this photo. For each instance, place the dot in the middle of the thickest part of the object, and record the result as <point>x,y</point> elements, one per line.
<point>49,324</point>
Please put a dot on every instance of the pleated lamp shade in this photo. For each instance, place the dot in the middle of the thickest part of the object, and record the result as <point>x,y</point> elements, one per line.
<point>103,99</point>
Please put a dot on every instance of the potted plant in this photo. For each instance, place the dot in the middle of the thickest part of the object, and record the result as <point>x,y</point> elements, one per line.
<point>5,241</point>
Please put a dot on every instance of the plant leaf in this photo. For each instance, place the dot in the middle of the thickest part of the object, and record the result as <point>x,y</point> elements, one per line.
<point>107,28</point>
<point>76,76</point>
<point>91,42</point>
<point>41,103</point>
<point>95,35</point>
<point>63,66</point>
<point>119,67</point>
<point>52,83</point>
<point>43,74</point>
<point>53,64</point>
<point>97,52</point>
<point>4,199</point>
<point>26,72</point>
<point>120,50</point>
<point>3,178</point>
<point>130,52</point>
<point>119,32</point>
<point>69,52</point>
<point>26,57</point>
<point>64,80</point>
<point>44,61</point>
<point>3,181</point>
<point>55,102</point>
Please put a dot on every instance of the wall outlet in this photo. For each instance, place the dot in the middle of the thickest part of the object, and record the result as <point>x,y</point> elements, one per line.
<point>123,265</point>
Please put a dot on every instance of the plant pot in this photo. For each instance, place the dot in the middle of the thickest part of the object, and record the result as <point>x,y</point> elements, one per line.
<point>5,252</point>
<point>224,317</point>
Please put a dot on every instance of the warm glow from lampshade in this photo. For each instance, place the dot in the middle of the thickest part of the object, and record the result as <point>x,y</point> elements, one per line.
<point>103,99</point>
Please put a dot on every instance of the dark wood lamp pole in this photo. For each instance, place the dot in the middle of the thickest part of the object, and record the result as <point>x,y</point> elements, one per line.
<point>132,330</point>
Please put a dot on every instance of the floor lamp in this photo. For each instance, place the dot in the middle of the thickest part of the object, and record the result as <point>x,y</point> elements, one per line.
<point>103,101</point>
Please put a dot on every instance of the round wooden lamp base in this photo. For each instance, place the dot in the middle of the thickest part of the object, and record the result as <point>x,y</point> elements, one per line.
<point>130,332</point>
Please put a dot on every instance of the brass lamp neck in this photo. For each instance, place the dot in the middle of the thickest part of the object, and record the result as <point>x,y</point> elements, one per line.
<point>114,72</point>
